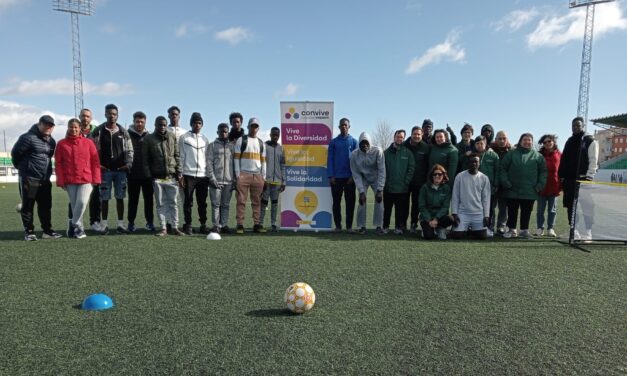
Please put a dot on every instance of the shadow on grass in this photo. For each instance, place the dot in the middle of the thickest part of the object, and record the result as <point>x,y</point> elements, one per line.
<point>13,235</point>
<point>77,306</point>
<point>270,313</point>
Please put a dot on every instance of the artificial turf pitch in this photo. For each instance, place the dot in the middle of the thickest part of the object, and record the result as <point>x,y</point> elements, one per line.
<point>384,305</point>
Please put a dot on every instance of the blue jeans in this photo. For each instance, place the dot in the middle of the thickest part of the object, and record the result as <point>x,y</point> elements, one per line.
<point>547,202</point>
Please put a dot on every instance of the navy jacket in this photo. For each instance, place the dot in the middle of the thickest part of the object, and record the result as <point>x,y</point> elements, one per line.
<point>32,154</point>
<point>338,157</point>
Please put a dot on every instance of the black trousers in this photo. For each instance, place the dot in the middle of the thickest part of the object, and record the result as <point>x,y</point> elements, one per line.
<point>35,191</point>
<point>343,187</point>
<point>201,187</point>
<point>525,206</point>
<point>400,203</point>
<point>414,191</point>
<point>428,232</point>
<point>135,187</point>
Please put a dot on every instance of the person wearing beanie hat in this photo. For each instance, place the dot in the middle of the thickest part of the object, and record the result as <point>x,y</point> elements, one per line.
<point>192,146</point>
<point>487,131</point>
<point>427,128</point>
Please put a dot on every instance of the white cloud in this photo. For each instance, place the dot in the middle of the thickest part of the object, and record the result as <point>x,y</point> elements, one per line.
<point>62,86</point>
<point>448,50</point>
<point>555,31</point>
<point>6,4</point>
<point>16,119</point>
<point>233,35</point>
<point>188,28</point>
<point>288,90</point>
<point>516,19</point>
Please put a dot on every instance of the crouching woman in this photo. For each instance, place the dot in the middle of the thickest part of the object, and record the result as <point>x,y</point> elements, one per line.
<point>433,203</point>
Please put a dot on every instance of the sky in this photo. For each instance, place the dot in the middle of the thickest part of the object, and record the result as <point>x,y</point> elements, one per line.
<point>513,64</point>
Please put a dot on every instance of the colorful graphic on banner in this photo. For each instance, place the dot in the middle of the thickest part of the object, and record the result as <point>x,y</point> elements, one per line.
<point>306,130</point>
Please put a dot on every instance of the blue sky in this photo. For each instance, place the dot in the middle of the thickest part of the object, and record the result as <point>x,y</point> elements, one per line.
<point>514,64</point>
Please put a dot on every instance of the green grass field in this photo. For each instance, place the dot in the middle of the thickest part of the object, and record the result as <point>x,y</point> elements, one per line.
<point>385,305</point>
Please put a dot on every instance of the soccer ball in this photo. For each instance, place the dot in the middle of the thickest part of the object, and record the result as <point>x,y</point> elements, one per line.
<point>18,207</point>
<point>299,297</point>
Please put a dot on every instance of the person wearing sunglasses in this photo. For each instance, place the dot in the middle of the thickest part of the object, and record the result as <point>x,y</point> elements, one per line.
<point>433,204</point>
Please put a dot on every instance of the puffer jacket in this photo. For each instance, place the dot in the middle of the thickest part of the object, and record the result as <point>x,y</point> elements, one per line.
<point>137,139</point>
<point>193,147</point>
<point>446,155</point>
<point>32,154</point>
<point>399,169</point>
<point>77,162</point>
<point>523,174</point>
<point>368,168</point>
<point>421,161</point>
<point>434,202</point>
<point>553,185</point>
<point>220,162</point>
<point>161,153</point>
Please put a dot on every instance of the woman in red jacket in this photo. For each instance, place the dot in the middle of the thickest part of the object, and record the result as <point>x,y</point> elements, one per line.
<point>548,195</point>
<point>77,168</point>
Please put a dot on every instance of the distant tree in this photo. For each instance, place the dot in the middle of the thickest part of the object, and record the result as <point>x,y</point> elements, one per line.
<point>383,134</point>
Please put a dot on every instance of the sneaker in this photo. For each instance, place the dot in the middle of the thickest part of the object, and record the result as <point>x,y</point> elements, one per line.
<point>215,229</point>
<point>501,230</point>
<point>121,230</point>
<point>442,234</point>
<point>203,229</point>
<point>96,227</point>
<point>79,233</point>
<point>162,232</point>
<point>577,236</point>
<point>226,230</point>
<point>587,236</point>
<point>539,232</point>
<point>131,227</point>
<point>510,234</point>
<point>150,227</point>
<point>175,231</point>
<point>187,229</point>
<point>274,228</point>
<point>240,229</point>
<point>104,230</point>
<point>552,233</point>
<point>490,233</point>
<point>525,234</point>
<point>385,230</point>
<point>362,231</point>
<point>351,231</point>
<point>259,229</point>
<point>398,231</point>
<point>380,231</point>
<point>30,236</point>
<point>50,234</point>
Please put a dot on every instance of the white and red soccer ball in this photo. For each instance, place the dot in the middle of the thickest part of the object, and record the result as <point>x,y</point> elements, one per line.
<point>299,297</point>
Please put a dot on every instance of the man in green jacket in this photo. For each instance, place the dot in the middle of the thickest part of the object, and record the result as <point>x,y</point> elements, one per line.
<point>399,172</point>
<point>420,149</point>
<point>163,164</point>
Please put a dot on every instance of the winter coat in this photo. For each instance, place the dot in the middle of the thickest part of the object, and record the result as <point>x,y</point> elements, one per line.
<point>523,174</point>
<point>446,155</point>
<point>114,150</point>
<point>192,147</point>
<point>220,162</point>
<point>588,159</point>
<point>368,168</point>
<point>399,169</point>
<point>77,162</point>
<point>434,202</point>
<point>161,152</point>
<point>32,154</point>
<point>275,163</point>
<point>338,156</point>
<point>421,162</point>
<point>137,139</point>
<point>552,160</point>
<point>500,151</point>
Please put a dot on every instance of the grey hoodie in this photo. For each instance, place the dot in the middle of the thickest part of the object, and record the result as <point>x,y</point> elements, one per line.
<point>368,168</point>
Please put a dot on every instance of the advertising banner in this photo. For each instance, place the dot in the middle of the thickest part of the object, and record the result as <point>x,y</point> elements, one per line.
<point>306,130</point>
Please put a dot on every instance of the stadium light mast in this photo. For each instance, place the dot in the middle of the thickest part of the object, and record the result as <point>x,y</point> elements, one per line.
<point>586,55</point>
<point>75,8</point>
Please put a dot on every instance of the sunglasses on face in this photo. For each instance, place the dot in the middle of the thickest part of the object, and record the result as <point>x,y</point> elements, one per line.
<point>437,174</point>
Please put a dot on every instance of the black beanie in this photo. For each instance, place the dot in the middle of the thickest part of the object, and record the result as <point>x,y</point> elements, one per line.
<point>195,116</point>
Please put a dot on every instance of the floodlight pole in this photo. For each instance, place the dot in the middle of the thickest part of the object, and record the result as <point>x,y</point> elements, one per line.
<point>75,8</point>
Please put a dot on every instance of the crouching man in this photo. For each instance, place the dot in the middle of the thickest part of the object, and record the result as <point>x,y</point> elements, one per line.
<point>470,202</point>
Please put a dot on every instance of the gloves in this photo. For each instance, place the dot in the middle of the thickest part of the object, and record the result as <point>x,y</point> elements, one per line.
<point>378,197</point>
<point>362,198</point>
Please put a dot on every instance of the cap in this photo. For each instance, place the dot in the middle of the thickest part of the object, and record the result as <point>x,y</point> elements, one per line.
<point>46,119</point>
<point>253,121</point>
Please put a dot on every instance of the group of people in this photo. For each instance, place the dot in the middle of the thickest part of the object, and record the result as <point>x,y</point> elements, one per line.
<point>426,177</point>
<point>94,163</point>
<point>439,184</point>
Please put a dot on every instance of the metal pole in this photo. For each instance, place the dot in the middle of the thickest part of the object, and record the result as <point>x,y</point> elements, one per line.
<point>77,66</point>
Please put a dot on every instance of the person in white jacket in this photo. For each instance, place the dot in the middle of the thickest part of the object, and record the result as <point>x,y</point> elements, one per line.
<point>368,169</point>
<point>193,146</point>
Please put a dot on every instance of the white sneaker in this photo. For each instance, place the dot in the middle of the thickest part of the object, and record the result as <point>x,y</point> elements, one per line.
<point>510,234</point>
<point>587,236</point>
<point>577,236</point>
<point>490,233</point>
<point>96,226</point>
<point>552,233</point>
<point>540,232</point>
